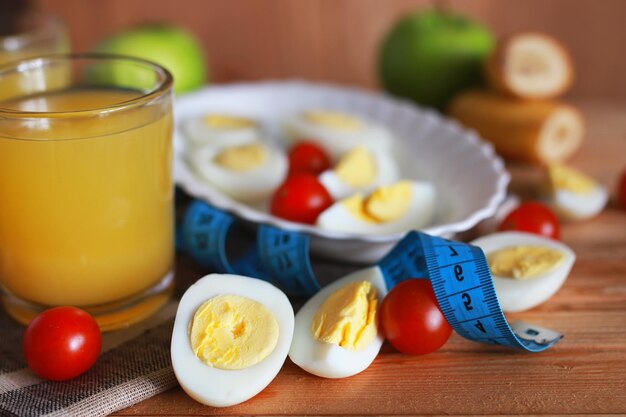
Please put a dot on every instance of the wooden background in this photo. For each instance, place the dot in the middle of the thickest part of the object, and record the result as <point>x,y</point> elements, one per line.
<point>337,40</point>
<point>582,375</point>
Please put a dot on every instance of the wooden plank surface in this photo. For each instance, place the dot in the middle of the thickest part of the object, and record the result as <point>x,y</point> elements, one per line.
<point>338,40</point>
<point>585,373</point>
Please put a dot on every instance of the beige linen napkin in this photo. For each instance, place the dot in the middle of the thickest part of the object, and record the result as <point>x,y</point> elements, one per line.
<point>134,365</point>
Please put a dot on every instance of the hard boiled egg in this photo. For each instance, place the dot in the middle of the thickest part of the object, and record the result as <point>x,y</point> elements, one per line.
<point>527,269</point>
<point>231,337</point>
<point>403,206</point>
<point>220,130</point>
<point>360,170</point>
<point>336,132</point>
<point>336,333</point>
<point>573,195</point>
<point>249,173</point>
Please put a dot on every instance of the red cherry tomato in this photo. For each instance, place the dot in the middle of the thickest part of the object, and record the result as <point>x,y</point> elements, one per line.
<point>532,217</point>
<point>411,320</point>
<point>621,190</point>
<point>301,198</point>
<point>61,343</point>
<point>308,157</point>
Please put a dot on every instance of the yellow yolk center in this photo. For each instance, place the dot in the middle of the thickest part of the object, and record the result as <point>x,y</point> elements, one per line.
<point>242,158</point>
<point>333,120</point>
<point>357,168</point>
<point>566,178</point>
<point>355,205</point>
<point>389,203</point>
<point>233,332</point>
<point>217,121</point>
<point>348,317</point>
<point>385,204</point>
<point>522,262</point>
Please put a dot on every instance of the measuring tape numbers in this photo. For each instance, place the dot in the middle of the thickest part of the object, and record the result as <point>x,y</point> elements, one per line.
<point>285,257</point>
<point>280,257</point>
<point>464,289</point>
<point>458,272</point>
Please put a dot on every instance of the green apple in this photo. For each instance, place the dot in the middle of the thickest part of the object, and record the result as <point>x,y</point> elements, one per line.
<point>170,46</point>
<point>431,56</point>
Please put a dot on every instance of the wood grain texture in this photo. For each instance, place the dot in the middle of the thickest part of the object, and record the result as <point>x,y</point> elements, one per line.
<point>338,40</point>
<point>584,374</point>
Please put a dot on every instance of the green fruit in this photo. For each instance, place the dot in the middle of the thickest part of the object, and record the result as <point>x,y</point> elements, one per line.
<point>431,56</point>
<point>169,46</point>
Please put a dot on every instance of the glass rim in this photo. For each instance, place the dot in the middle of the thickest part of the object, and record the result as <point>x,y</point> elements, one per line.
<point>163,85</point>
<point>17,41</point>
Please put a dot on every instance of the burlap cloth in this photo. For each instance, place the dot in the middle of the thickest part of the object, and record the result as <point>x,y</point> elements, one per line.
<point>133,366</point>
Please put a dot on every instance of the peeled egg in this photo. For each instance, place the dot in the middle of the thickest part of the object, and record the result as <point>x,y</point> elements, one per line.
<point>209,384</point>
<point>220,130</point>
<point>403,206</point>
<point>336,132</point>
<point>249,173</point>
<point>329,360</point>
<point>545,274</point>
<point>575,196</point>
<point>359,170</point>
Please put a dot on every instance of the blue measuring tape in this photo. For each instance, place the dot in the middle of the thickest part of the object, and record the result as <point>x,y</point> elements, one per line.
<point>464,289</point>
<point>458,272</point>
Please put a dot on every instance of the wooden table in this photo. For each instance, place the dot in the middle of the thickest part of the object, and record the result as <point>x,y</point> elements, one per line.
<point>585,373</point>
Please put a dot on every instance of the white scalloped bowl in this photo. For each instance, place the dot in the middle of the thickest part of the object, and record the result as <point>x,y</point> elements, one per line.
<point>469,177</point>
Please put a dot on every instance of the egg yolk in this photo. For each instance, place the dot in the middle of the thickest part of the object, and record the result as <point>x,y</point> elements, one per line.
<point>355,205</point>
<point>357,168</point>
<point>566,178</point>
<point>348,317</point>
<point>522,262</point>
<point>217,121</point>
<point>385,204</point>
<point>333,120</point>
<point>389,203</point>
<point>242,158</point>
<point>233,332</point>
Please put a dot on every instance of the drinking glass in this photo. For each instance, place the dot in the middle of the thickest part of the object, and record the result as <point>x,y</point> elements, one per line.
<point>86,212</point>
<point>32,34</point>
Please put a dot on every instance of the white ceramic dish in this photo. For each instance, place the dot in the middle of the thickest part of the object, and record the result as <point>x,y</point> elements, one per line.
<point>470,178</point>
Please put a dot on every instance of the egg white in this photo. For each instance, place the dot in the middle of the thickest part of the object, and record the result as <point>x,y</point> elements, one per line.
<point>329,360</point>
<point>386,173</point>
<point>518,295</point>
<point>335,141</point>
<point>219,387</point>
<point>251,186</point>
<point>198,133</point>
<point>575,206</point>
<point>419,214</point>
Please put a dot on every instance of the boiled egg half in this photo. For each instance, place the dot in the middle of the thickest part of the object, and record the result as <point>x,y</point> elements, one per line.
<point>220,130</point>
<point>248,173</point>
<point>527,269</point>
<point>574,195</point>
<point>336,132</point>
<point>359,170</point>
<point>231,337</point>
<point>336,333</point>
<point>400,207</point>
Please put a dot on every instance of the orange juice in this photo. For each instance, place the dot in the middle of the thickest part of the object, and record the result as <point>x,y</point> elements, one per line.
<point>86,213</point>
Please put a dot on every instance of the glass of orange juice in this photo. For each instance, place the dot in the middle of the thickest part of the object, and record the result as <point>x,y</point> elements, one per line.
<point>86,193</point>
<point>24,34</point>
